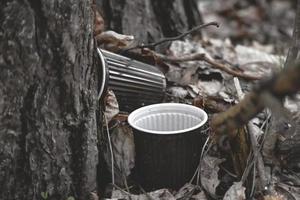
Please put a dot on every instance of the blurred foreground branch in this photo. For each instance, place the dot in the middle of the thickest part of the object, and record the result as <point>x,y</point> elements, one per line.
<point>286,83</point>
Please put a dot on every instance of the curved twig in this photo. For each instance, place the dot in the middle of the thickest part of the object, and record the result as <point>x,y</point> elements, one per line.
<point>164,40</point>
<point>213,63</point>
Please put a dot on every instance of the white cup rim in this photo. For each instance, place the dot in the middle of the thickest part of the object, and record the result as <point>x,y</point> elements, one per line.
<point>132,117</point>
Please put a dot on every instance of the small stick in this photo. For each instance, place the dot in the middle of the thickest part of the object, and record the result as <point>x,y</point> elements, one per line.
<point>111,152</point>
<point>119,188</point>
<point>214,64</point>
<point>164,40</point>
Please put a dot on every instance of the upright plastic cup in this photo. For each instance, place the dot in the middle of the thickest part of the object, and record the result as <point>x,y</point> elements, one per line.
<point>168,140</point>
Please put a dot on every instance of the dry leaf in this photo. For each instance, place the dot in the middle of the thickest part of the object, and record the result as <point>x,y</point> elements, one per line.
<point>111,106</point>
<point>123,151</point>
<point>190,191</point>
<point>123,148</point>
<point>178,92</point>
<point>162,194</point>
<point>210,88</point>
<point>235,192</point>
<point>209,173</point>
<point>113,41</point>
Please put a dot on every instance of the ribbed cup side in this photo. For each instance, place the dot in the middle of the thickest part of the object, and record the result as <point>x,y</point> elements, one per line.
<point>134,83</point>
<point>168,142</point>
<point>167,160</point>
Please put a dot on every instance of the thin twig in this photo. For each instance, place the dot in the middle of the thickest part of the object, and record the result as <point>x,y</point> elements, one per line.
<point>125,182</point>
<point>198,169</point>
<point>111,152</point>
<point>169,39</point>
<point>148,196</point>
<point>213,63</point>
<point>253,181</point>
<point>228,172</point>
<point>238,88</point>
<point>189,194</point>
<point>249,164</point>
<point>119,188</point>
<point>230,71</point>
<point>201,159</point>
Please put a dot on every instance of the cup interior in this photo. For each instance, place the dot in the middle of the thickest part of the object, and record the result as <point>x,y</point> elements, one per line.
<point>167,118</point>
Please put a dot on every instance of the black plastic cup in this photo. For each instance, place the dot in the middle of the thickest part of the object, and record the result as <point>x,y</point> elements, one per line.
<point>168,143</point>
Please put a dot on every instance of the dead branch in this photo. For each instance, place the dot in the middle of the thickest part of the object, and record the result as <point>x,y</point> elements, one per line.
<point>257,155</point>
<point>213,63</point>
<point>169,39</point>
<point>286,83</point>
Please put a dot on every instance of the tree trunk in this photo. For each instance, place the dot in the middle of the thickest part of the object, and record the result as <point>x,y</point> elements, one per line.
<point>48,90</point>
<point>150,20</point>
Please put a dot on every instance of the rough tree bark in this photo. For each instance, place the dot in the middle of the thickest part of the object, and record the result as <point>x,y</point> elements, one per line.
<point>48,90</point>
<point>155,18</point>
